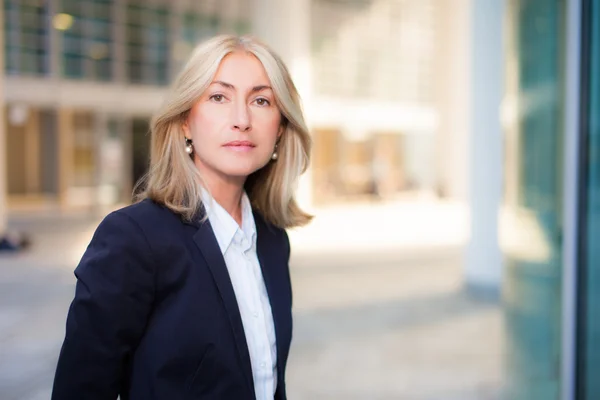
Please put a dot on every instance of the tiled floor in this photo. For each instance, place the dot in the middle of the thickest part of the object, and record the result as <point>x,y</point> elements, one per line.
<point>393,329</point>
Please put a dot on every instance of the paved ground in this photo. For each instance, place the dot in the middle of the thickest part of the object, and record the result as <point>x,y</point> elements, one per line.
<point>374,318</point>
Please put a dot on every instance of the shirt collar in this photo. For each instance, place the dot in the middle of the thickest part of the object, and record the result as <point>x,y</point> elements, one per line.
<point>248,224</point>
<point>223,224</point>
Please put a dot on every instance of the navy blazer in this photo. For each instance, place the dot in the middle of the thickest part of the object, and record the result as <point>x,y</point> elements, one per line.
<point>155,315</point>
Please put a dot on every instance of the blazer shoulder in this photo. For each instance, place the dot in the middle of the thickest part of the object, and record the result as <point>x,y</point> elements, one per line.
<point>146,214</point>
<point>143,209</point>
<point>148,217</point>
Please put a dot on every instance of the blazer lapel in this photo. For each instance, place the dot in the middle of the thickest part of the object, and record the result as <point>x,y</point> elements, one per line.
<point>207,243</point>
<point>270,269</point>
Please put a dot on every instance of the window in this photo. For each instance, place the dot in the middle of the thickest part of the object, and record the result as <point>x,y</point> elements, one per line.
<point>399,67</point>
<point>589,258</point>
<point>197,27</point>
<point>532,281</point>
<point>26,33</point>
<point>205,19</point>
<point>147,36</point>
<point>87,38</point>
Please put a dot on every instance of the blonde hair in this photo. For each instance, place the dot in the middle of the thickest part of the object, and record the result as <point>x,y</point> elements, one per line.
<point>174,181</point>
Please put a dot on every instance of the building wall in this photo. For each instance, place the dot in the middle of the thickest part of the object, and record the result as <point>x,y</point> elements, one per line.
<point>366,72</point>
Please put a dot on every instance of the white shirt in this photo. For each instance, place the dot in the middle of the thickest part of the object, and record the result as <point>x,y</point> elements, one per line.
<point>238,246</point>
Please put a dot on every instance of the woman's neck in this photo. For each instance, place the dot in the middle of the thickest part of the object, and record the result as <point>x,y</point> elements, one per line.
<point>229,196</point>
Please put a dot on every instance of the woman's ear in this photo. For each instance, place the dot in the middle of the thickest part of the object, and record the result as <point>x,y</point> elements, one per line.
<point>185,126</point>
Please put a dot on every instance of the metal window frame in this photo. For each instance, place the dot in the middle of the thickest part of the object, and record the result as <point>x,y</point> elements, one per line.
<point>573,199</point>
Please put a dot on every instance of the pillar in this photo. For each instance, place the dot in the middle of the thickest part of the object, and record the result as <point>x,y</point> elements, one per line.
<point>32,153</point>
<point>452,79</point>
<point>3,157</point>
<point>65,155</point>
<point>483,261</point>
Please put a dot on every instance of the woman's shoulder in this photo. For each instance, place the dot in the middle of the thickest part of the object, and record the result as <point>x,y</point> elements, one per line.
<point>146,215</point>
<point>144,210</point>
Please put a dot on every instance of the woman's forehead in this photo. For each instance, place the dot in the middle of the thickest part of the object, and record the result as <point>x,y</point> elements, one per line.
<point>242,69</point>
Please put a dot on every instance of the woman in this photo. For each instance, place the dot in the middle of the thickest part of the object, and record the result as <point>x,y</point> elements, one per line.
<point>186,294</point>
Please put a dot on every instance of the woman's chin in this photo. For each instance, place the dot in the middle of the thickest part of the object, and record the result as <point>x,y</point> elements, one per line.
<point>242,171</point>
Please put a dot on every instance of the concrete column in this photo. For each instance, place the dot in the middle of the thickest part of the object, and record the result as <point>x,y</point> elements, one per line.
<point>483,256</point>
<point>452,81</point>
<point>32,153</point>
<point>126,128</point>
<point>285,26</point>
<point>65,154</point>
<point>100,129</point>
<point>3,156</point>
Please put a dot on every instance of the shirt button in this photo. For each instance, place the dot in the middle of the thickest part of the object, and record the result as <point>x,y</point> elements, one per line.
<point>255,314</point>
<point>263,364</point>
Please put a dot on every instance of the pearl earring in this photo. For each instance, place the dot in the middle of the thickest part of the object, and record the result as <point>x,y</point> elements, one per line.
<point>189,148</point>
<point>274,156</point>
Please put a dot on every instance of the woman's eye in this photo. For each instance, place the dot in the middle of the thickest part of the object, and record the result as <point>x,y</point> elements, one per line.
<point>217,97</point>
<point>262,102</point>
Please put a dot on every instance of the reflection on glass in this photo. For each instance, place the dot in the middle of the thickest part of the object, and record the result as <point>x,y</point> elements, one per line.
<point>590,357</point>
<point>533,194</point>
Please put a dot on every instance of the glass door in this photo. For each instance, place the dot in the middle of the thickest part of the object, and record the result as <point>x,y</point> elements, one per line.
<point>588,384</point>
<point>533,192</point>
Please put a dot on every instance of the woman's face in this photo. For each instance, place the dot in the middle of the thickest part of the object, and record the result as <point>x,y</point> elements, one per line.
<point>235,124</point>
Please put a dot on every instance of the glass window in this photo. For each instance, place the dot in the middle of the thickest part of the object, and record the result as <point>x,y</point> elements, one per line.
<point>147,36</point>
<point>533,200</point>
<point>195,27</point>
<point>346,63</point>
<point>87,38</point>
<point>589,385</point>
<point>203,20</point>
<point>26,31</point>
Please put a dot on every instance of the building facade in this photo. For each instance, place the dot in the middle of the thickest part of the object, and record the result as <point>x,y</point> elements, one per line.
<point>82,79</point>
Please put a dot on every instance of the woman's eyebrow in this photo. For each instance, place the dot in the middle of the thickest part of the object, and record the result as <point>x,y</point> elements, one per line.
<point>255,89</point>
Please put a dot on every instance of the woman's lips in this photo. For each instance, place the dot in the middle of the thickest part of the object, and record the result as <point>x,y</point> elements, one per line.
<point>240,145</point>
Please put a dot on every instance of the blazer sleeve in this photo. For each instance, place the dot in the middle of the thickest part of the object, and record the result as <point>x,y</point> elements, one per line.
<point>112,304</point>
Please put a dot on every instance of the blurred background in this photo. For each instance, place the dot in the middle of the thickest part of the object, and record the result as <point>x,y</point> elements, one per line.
<point>455,181</point>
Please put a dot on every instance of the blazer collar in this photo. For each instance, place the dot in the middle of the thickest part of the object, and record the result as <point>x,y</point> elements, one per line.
<point>273,274</point>
<point>207,243</point>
